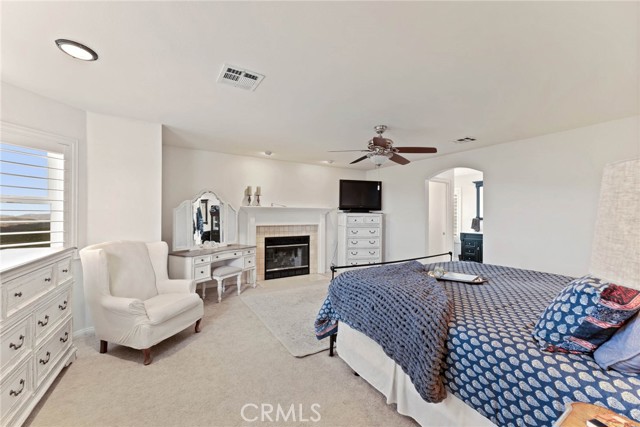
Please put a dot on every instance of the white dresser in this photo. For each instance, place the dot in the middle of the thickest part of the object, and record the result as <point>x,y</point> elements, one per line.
<point>198,263</point>
<point>359,238</point>
<point>36,326</point>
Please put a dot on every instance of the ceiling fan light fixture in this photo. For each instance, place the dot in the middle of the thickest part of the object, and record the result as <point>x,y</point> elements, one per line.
<point>379,159</point>
<point>76,50</point>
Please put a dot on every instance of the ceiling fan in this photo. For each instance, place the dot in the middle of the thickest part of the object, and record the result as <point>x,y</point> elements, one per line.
<point>381,149</point>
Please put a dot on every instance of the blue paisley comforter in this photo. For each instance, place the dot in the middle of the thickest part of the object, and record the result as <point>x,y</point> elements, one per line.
<point>494,365</point>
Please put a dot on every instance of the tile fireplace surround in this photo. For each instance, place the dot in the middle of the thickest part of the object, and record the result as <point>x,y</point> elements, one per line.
<point>256,223</point>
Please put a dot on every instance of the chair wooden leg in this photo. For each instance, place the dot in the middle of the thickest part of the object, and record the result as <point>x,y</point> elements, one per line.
<point>146,352</point>
<point>198,325</point>
<point>103,346</point>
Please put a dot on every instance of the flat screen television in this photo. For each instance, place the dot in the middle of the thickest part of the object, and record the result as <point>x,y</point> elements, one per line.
<point>360,196</point>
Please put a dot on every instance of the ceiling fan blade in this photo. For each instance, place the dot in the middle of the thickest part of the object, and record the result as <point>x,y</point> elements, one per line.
<point>381,142</point>
<point>399,159</point>
<point>346,151</point>
<point>358,160</point>
<point>416,149</point>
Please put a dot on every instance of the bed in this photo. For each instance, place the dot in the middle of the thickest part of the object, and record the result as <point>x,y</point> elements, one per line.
<point>493,371</point>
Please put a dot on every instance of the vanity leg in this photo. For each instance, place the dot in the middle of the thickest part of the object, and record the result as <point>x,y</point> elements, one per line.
<point>253,278</point>
<point>219,290</point>
<point>239,282</point>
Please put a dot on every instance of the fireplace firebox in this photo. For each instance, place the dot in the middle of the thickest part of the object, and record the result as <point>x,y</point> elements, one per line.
<point>286,256</point>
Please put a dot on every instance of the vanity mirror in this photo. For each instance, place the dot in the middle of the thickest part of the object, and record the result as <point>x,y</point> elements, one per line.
<point>204,221</point>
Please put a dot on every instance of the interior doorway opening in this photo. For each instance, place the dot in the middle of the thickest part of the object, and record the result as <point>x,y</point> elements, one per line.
<point>456,214</point>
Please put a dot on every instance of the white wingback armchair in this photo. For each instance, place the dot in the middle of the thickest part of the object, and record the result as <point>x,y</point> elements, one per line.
<point>131,298</point>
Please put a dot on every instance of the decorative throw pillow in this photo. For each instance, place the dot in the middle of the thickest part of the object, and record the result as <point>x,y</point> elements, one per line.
<point>568,310</point>
<point>622,351</point>
<point>617,305</point>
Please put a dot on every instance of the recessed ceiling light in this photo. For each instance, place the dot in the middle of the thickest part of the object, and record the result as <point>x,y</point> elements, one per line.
<point>268,153</point>
<point>329,162</point>
<point>77,50</point>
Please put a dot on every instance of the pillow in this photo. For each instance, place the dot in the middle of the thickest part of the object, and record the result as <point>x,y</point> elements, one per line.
<point>622,351</point>
<point>617,305</point>
<point>568,310</point>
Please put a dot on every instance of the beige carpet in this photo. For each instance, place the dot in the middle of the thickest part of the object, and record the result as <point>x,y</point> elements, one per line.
<point>289,314</point>
<point>206,379</point>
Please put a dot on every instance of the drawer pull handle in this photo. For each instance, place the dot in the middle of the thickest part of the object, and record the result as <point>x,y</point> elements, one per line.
<point>45,322</point>
<point>17,346</point>
<point>65,270</point>
<point>371,242</point>
<point>17,294</point>
<point>47,279</point>
<point>372,252</point>
<point>15,393</point>
<point>354,231</point>
<point>66,337</point>
<point>372,231</point>
<point>63,306</point>
<point>354,253</point>
<point>354,242</point>
<point>43,361</point>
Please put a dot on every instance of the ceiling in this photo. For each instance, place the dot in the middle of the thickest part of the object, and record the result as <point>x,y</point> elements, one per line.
<point>433,72</point>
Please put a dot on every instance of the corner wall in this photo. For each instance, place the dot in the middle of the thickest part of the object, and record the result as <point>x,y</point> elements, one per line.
<point>540,196</point>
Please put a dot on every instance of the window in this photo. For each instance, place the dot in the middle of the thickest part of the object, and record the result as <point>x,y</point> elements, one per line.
<point>37,196</point>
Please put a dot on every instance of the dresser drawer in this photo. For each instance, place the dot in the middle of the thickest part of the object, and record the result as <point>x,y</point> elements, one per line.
<point>50,313</point>
<point>16,389</point>
<point>373,242</point>
<point>202,259</point>
<point>361,261</point>
<point>63,270</point>
<point>15,342</point>
<point>373,254</point>
<point>363,232</point>
<point>201,272</point>
<point>371,219</point>
<point>355,220</point>
<point>24,289</point>
<point>249,262</point>
<point>48,353</point>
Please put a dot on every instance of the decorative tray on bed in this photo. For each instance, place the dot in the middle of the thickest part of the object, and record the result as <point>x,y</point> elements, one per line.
<point>457,277</point>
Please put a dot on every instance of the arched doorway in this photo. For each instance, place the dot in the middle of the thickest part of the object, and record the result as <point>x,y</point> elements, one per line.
<point>456,210</point>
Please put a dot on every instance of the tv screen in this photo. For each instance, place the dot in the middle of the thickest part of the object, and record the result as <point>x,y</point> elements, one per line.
<point>360,196</point>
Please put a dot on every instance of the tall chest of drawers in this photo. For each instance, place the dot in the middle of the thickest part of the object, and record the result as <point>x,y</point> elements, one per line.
<point>36,327</point>
<point>359,238</point>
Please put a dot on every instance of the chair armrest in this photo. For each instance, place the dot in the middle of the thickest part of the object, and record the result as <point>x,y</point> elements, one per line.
<point>176,286</point>
<point>123,306</point>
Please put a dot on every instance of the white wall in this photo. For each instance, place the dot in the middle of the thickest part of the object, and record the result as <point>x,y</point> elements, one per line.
<point>186,172</point>
<point>124,185</point>
<point>540,196</point>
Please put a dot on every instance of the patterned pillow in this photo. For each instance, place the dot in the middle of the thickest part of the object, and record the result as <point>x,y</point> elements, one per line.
<point>568,310</point>
<point>617,305</point>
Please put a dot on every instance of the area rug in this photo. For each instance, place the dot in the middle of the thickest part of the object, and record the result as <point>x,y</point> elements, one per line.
<point>289,315</point>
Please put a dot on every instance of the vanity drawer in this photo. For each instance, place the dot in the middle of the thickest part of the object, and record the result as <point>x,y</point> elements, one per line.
<point>249,251</point>
<point>63,269</point>
<point>24,289</point>
<point>202,272</point>
<point>373,242</point>
<point>15,389</point>
<point>49,353</point>
<point>373,254</point>
<point>15,342</point>
<point>226,255</point>
<point>202,259</point>
<point>249,262</point>
<point>363,232</point>
<point>48,315</point>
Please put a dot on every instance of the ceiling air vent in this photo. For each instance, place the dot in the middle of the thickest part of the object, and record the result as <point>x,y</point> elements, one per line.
<point>239,77</point>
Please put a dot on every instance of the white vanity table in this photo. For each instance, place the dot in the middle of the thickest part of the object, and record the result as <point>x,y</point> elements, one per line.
<point>205,230</point>
<point>197,264</point>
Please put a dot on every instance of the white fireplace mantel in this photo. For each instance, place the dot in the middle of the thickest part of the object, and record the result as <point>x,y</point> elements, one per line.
<point>250,217</point>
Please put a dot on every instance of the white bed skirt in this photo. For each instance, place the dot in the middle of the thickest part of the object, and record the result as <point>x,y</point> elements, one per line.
<point>368,359</point>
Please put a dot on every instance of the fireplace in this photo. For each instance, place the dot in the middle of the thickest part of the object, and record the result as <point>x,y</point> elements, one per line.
<point>286,256</point>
